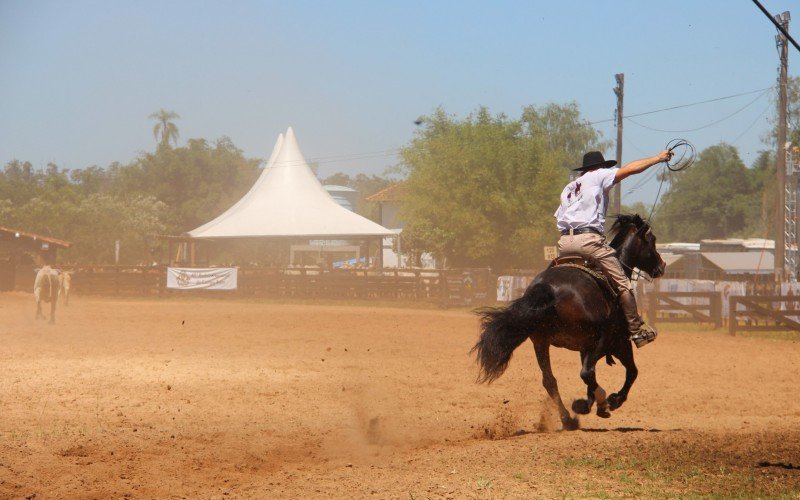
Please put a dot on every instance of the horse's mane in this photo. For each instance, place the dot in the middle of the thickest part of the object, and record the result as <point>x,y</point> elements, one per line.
<point>623,222</point>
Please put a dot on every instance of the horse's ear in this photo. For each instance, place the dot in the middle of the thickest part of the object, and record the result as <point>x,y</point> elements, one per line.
<point>643,230</point>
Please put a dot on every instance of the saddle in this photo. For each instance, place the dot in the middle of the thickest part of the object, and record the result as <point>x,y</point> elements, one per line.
<point>588,266</point>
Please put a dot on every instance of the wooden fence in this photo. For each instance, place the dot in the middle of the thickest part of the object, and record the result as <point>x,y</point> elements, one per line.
<point>674,307</point>
<point>456,287</point>
<point>755,313</point>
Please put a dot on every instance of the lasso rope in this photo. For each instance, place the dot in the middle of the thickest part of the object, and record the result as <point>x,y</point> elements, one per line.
<point>683,156</point>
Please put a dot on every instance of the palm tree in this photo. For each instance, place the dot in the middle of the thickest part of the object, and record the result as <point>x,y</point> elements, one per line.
<point>164,127</point>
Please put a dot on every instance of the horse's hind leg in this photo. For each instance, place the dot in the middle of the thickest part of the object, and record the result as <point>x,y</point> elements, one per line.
<point>625,355</point>
<point>551,385</point>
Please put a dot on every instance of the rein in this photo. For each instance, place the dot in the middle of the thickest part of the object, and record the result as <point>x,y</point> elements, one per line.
<point>639,273</point>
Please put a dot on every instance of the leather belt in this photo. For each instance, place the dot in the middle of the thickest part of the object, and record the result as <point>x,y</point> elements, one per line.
<point>582,230</point>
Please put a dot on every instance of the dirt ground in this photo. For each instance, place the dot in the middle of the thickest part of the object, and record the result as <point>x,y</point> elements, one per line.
<point>215,398</point>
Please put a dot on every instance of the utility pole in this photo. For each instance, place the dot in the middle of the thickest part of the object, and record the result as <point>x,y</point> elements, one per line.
<point>619,90</point>
<point>780,204</point>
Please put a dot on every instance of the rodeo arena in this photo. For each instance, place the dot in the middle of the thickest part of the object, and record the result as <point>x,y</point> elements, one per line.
<point>617,364</point>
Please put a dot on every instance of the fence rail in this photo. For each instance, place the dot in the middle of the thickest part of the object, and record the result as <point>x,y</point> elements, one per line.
<point>459,286</point>
<point>683,307</point>
<point>758,314</point>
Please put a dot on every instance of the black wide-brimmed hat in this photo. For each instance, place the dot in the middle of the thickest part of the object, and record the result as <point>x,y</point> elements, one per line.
<point>594,159</point>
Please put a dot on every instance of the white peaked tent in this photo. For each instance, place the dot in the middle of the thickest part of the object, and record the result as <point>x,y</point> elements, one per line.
<point>287,200</point>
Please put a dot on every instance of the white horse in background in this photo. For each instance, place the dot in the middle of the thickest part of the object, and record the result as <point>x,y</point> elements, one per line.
<point>45,289</point>
<point>65,282</point>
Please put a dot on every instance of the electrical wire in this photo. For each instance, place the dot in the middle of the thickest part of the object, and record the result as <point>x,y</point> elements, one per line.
<point>685,105</point>
<point>644,180</point>
<point>704,126</point>
<point>766,108</point>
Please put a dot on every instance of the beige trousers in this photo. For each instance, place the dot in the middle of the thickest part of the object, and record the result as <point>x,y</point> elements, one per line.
<point>591,245</point>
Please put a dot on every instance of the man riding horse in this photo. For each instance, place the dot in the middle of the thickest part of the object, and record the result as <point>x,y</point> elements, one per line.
<point>581,219</point>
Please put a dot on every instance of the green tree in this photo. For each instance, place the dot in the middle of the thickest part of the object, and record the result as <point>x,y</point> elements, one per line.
<point>713,199</point>
<point>482,191</point>
<point>135,221</point>
<point>564,131</point>
<point>165,130</point>
<point>196,182</point>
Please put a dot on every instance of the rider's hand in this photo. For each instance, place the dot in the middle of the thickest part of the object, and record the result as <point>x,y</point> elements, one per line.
<point>665,155</point>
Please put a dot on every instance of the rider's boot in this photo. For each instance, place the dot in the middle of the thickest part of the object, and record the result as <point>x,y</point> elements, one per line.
<point>640,332</point>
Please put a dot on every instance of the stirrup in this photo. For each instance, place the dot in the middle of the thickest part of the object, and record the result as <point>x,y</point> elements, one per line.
<point>644,336</point>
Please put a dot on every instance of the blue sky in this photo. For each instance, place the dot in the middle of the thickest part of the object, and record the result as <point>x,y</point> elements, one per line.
<point>81,77</point>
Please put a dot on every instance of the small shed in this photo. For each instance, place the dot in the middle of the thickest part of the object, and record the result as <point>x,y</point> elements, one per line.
<point>17,252</point>
<point>736,266</point>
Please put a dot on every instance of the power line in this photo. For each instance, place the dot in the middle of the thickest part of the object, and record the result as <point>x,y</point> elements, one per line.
<point>644,180</point>
<point>685,105</point>
<point>706,125</point>
<point>766,108</point>
<point>776,23</point>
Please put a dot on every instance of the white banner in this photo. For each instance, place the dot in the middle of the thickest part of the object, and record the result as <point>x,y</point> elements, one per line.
<point>504,284</point>
<point>213,278</point>
<point>511,287</point>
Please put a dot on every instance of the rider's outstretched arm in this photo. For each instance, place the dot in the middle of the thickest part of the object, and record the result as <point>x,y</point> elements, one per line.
<point>638,166</point>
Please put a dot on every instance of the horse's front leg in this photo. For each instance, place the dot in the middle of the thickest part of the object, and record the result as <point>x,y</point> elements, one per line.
<point>589,359</point>
<point>551,386</point>
<point>584,406</point>
<point>39,313</point>
<point>624,352</point>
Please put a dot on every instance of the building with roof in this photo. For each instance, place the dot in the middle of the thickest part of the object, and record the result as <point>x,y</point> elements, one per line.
<point>389,201</point>
<point>737,245</point>
<point>345,196</point>
<point>731,259</point>
<point>736,266</point>
<point>18,252</point>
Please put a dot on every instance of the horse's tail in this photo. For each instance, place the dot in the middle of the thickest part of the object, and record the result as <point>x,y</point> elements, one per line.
<point>503,329</point>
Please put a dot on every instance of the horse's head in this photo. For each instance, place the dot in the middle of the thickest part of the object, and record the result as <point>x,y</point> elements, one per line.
<point>635,244</point>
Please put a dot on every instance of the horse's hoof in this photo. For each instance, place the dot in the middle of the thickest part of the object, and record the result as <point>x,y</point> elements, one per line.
<point>614,401</point>
<point>603,412</point>
<point>581,406</point>
<point>570,424</point>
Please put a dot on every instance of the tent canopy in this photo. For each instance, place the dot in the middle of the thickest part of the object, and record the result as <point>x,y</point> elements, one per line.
<point>287,200</point>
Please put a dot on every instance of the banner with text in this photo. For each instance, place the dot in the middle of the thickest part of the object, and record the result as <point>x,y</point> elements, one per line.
<point>213,278</point>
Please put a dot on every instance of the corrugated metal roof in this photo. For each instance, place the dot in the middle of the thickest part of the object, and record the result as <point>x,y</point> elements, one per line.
<point>16,233</point>
<point>332,188</point>
<point>758,244</point>
<point>742,262</point>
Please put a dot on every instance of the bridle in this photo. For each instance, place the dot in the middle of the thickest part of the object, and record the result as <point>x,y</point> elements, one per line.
<point>637,273</point>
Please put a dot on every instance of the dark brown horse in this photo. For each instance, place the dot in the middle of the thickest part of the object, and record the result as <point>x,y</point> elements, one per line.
<point>567,307</point>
